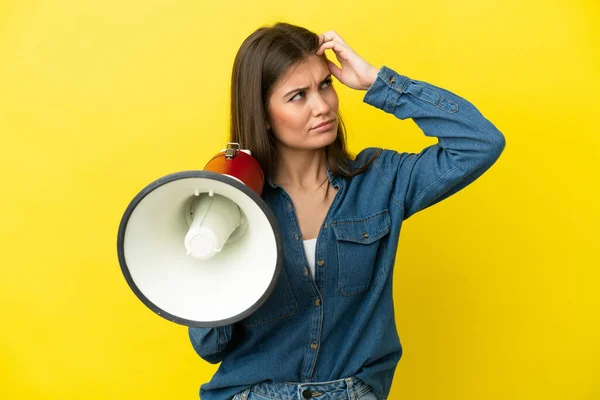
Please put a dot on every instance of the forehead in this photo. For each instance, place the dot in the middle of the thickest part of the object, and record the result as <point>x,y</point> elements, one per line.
<point>306,72</point>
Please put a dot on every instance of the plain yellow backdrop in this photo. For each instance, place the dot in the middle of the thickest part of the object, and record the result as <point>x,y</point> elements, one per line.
<point>495,288</point>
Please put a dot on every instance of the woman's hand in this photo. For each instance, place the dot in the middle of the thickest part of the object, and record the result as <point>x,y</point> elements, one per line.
<point>354,72</point>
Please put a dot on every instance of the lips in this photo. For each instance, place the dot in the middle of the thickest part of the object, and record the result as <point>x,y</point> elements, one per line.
<point>323,123</point>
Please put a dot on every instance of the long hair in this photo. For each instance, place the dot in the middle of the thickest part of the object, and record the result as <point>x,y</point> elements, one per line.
<point>265,56</point>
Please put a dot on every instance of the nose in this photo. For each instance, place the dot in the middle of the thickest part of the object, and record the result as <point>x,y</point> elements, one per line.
<point>320,105</point>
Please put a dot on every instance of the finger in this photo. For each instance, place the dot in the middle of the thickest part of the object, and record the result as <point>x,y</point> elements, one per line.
<point>324,37</point>
<point>339,49</point>
<point>333,35</point>
<point>335,70</point>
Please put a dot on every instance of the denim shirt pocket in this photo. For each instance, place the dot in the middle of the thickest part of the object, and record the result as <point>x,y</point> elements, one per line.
<point>360,251</point>
<point>280,304</point>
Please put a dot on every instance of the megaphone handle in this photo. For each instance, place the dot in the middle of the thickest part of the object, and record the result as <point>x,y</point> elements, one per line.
<point>231,150</point>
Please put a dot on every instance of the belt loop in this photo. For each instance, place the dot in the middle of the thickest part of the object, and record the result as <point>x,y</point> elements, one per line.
<point>350,389</point>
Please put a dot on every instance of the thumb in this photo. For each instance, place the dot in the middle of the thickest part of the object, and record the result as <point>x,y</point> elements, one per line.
<point>335,70</point>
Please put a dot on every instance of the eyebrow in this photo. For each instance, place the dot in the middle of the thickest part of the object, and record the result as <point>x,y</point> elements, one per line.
<point>304,88</point>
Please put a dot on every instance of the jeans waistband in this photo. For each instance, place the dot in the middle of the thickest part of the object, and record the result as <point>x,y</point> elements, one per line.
<point>341,389</point>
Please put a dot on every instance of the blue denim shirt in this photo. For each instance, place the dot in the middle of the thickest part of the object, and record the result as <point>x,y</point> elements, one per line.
<point>342,323</point>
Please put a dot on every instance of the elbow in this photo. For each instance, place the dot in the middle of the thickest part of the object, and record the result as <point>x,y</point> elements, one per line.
<point>496,144</point>
<point>205,345</point>
<point>201,345</point>
<point>500,143</point>
<point>213,358</point>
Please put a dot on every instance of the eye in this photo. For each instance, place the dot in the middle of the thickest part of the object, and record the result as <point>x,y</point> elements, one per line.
<point>296,96</point>
<point>327,82</point>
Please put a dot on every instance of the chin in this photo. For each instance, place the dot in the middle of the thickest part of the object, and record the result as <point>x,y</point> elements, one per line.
<point>324,140</point>
<point>330,137</point>
<point>332,140</point>
<point>314,143</point>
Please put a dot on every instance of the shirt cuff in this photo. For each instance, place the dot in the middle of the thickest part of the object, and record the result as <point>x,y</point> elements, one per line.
<point>386,90</point>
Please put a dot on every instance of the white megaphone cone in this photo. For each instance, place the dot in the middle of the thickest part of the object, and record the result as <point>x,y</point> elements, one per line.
<point>215,219</point>
<point>202,248</point>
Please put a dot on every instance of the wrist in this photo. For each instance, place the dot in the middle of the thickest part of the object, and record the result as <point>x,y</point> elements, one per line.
<point>372,77</point>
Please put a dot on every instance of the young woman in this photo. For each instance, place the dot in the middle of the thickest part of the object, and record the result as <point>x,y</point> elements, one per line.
<point>328,330</point>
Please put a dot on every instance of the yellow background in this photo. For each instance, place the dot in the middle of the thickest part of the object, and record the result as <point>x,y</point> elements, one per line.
<point>495,287</point>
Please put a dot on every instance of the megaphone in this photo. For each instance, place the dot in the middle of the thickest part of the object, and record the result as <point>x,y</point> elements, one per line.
<point>202,248</point>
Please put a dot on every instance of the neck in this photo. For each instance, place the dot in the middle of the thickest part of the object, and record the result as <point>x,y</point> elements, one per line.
<point>304,169</point>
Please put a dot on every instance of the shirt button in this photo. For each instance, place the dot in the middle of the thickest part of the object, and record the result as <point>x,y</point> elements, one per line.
<point>317,302</point>
<point>365,235</point>
<point>313,346</point>
<point>307,394</point>
<point>325,225</point>
<point>392,79</point>
<point>321,263</point>
<point>305,271</point>
<point>296,236</point>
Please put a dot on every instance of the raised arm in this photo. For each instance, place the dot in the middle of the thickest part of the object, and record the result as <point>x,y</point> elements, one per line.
<point>468,143</point>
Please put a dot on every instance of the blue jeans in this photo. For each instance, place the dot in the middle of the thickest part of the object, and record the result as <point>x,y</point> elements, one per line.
<point>342,389</point>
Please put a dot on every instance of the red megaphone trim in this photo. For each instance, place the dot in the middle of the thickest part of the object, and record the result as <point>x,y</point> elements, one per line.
<point>240,165</point>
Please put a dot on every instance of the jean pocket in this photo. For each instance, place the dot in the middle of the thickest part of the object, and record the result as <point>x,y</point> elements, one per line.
<point>242,395</point>
<point>361,251</point>
<point>368,396</point>
<point>281,304</point>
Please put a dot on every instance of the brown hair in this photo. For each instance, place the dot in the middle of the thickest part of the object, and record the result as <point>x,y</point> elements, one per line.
<point>265,56</point>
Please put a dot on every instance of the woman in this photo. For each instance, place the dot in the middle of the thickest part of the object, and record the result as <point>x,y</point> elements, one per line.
<point>328,330</point>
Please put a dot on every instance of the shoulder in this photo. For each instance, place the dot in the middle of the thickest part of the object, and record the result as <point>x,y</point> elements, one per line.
<point>373,156</point>
<point>363,158</point>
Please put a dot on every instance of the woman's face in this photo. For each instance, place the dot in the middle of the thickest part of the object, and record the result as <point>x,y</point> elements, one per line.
<point>302,100</point>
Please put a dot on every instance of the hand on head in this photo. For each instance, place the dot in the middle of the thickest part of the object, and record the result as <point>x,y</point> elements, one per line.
<point>355,72</point>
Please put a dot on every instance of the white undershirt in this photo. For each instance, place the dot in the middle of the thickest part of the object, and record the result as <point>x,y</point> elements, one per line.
<point>310,249</point>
